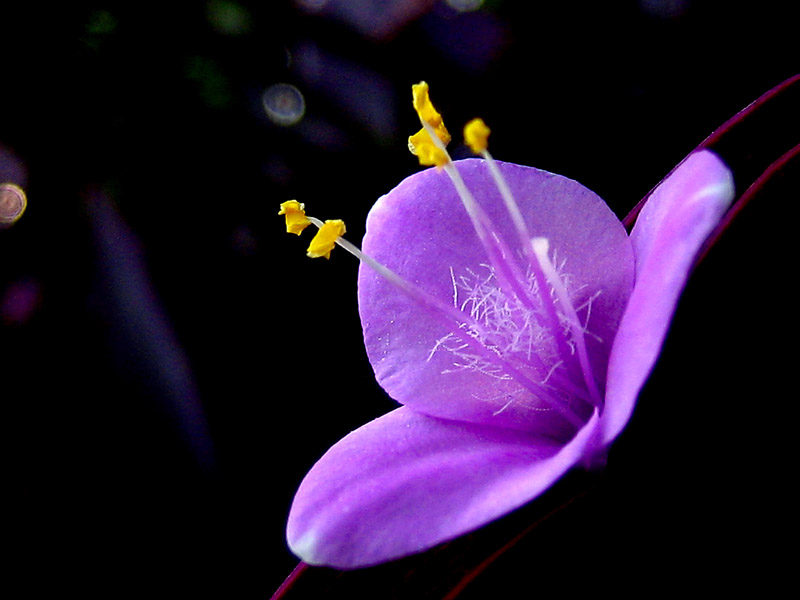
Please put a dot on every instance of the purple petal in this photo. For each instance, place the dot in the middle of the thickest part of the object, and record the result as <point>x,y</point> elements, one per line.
<point>406,482</point>
<point>673,224</point>
<point>421,231</point>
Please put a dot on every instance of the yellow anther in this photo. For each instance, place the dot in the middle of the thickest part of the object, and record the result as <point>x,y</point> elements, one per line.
<point>476,135</point>
<point>426,112</point>
<point>326,237</point>
<point>296,220</point>
<point>420,144</point>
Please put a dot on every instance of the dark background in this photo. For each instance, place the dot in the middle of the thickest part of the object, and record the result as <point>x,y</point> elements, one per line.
<point>172,361</point>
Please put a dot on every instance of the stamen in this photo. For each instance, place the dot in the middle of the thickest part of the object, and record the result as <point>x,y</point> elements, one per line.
<point>476,135</point>
<point>450,314</point>
<point>508,274</point>
<point>541,247</point>
<point>296,220</point>
<point>475,337</point>
<point>427,113</point>
<point>428,144</point>
<point>422,146</point>
<point>329,234</point>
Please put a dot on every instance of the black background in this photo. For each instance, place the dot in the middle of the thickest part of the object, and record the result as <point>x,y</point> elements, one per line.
<point>173,363</point>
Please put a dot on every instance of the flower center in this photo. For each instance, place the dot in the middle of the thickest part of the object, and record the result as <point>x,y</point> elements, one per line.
<point>518,327</point>
<point>557,305</point>
<point>522,333</point>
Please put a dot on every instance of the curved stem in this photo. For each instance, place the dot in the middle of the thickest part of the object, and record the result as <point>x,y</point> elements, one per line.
<point>290,581</point>
<point>753,139</point>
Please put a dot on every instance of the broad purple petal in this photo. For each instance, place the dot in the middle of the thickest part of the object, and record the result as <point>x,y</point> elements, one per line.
<point>421,231</point>
<point>406,482</point>
<point>671,228</point>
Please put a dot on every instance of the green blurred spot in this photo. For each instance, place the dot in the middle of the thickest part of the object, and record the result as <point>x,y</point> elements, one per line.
<point>100,24</point>
<point>228,17</point>
<point>213,85</point>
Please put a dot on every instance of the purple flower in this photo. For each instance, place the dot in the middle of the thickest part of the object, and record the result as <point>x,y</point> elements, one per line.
<point>510,313</point>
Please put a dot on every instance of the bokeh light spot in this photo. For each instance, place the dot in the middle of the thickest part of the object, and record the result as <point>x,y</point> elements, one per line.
<point>284,104</point>
<point>12,203</point>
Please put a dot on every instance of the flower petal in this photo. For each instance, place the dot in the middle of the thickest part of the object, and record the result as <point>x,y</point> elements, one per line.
<point>406,482</point>
<point>671,228</point>
<point>421,231</point>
